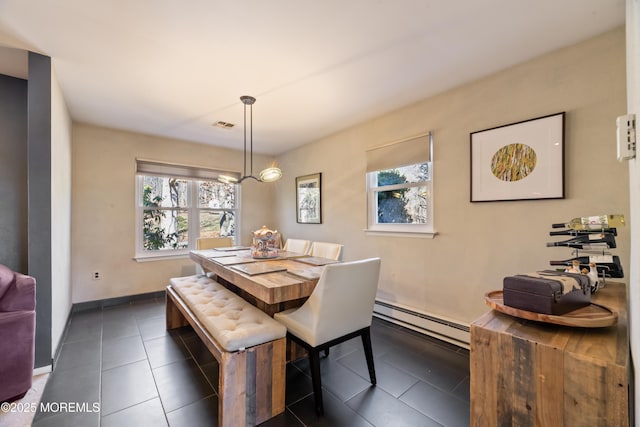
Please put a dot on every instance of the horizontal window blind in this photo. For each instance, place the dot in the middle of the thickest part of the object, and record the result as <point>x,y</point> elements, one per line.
<point>409,151</point>
<point>153,167</point>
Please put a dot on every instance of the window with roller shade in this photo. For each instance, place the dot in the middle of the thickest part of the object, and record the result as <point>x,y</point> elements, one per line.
<point>400,186</point>
<point>177,204</point>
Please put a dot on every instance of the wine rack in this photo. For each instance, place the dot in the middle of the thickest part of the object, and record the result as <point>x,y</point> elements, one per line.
<point>587,246</point>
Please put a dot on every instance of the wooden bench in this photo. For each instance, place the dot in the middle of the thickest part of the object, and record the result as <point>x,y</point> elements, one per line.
<point>249,346</point>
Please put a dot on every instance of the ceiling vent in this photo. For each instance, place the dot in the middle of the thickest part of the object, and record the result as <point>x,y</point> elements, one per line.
<point>223,125</point>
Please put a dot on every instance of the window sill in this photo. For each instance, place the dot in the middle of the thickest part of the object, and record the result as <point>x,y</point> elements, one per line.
<point>410,234</point>
<point>160,257</point>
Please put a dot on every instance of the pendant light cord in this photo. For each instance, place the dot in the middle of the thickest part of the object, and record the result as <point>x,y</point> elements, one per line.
<point>244,164</point>
<point>251,135</point>
<point>267,175</point>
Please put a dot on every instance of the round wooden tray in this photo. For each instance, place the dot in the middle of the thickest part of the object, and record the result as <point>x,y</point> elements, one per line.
<point>591,316</point>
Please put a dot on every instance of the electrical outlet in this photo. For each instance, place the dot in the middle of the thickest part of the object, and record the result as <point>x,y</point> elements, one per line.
<point>96,275</point>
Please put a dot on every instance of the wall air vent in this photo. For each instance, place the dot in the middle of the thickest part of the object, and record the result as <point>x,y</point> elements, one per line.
<point>223,125</point>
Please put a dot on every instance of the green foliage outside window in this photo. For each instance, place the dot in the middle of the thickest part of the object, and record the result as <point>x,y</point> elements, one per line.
<point>155,236</point>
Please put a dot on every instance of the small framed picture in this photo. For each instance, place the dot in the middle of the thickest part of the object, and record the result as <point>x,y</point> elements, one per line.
<point>308,199</point>
<point>519,161</point>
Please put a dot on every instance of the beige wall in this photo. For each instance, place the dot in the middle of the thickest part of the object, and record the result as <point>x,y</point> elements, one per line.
<point>60,213</point>
<point>478,243</point>
<point>103,213</point>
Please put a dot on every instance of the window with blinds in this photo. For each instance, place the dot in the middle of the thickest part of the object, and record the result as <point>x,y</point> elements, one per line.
<point>400,186</point>
<point>177,204</point>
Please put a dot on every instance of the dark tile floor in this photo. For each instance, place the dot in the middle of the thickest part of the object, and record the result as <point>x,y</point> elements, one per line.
<point>122,361</point>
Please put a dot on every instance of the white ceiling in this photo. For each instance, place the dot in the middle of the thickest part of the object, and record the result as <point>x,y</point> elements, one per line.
<point>172,68</point>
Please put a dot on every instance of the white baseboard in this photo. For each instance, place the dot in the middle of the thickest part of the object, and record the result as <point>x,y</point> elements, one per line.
<point>429,324</point>
<point>42,370</point>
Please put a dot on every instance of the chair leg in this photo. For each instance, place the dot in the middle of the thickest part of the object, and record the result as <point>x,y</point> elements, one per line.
<point>314,361</point>
<point>368,352</point>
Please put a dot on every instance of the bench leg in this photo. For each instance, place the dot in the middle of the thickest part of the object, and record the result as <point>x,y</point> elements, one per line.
<point>260,373</point>
<point>174,317</point>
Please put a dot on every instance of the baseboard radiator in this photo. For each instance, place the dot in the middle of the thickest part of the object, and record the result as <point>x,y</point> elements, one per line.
<point>428,324</point>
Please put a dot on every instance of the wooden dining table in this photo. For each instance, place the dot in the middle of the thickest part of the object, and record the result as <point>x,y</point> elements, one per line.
<point>273,284</point>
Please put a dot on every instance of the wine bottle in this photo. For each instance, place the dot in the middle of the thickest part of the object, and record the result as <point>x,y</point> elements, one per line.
<point>593,277</point>
<point>588,241</point>
<point>593,222</point>
<point>609,265</point>
<point>572,232</point>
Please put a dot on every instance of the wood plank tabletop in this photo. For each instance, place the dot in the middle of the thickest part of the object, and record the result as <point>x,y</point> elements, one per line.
<point>296,279</point>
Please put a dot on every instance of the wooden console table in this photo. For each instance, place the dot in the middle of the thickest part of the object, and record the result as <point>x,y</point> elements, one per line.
<point>526,373</point>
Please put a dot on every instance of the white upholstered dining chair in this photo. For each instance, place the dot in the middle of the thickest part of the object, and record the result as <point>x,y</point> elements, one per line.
<point>326,250</point>
<point>297,245</point>
<point>211,243</point>
<point>339,308</point>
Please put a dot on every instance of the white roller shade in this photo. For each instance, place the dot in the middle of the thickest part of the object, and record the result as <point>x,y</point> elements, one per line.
<point>153,167</point>
<point>405,152</point>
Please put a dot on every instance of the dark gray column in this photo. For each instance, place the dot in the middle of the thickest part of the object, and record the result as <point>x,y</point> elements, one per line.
<point>39,198</point>
<point>13,173</point>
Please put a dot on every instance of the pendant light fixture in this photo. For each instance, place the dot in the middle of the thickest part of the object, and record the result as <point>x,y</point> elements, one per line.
<point>270,174</point>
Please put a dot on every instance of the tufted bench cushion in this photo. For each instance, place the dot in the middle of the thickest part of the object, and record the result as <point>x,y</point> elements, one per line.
<point>232,322</point>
